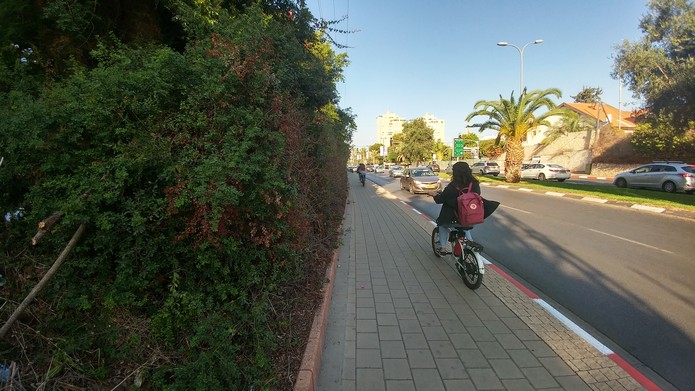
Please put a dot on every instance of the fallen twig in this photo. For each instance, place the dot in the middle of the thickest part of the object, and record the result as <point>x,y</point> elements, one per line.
<point>49,274</point>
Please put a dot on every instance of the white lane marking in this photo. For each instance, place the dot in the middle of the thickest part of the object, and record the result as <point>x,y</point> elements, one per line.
<point>524,189</point>
<point>631,241</point>
<point>552,193</point>
<point>573,326</point>
<point>518,210</point>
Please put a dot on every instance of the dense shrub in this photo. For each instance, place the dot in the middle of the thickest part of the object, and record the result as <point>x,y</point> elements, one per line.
<point>211,181</point>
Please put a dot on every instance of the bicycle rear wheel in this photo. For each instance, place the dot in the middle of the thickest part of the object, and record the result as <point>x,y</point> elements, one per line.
<point>435,241</point>
<point>467,266</point>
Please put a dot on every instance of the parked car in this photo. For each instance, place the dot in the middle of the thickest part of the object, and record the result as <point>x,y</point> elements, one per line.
<point>434,167</point>
<point>396,171</point>
<point>486,168</point>
<point>420,180</point>
<point>543,171</point>
<point>378,169</point>
<point>370,168</point>
<point>351,168</point>
<point>667,176</point>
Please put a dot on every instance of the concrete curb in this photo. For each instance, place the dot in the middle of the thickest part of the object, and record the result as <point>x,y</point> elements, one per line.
<point>311,362</point>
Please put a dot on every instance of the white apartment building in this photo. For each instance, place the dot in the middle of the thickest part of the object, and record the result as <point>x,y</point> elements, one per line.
<point>386,126</point>
<point>389,124</point>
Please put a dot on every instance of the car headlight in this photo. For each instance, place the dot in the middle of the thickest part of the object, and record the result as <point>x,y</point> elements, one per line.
<point>418,183</point>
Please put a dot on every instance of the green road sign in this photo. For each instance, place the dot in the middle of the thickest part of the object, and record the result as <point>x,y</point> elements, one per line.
<point>458,147</point>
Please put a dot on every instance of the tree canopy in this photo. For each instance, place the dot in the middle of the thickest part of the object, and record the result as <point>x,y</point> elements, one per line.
<point>660,70</point>
<point>588,95</point>
<point>418,141</point>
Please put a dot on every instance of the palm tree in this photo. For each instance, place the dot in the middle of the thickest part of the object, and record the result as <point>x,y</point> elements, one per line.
<point>570,123</point>
<point>512,120</point>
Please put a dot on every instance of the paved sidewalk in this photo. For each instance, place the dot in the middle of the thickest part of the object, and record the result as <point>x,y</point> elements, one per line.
<point>402,319</point>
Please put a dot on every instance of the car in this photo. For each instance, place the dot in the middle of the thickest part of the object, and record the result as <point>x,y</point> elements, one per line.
<point>434,167</point>
<point>351,168</point>
<point>543,171</point>
<point>370,168</point>
<point>668,176</point>
<point>396,171</point>
<point>486,168</point>
<point>420,180</point>
<point>378,169</point>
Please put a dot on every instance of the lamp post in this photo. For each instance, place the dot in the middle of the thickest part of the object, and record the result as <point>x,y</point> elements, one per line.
<point>521,56</point>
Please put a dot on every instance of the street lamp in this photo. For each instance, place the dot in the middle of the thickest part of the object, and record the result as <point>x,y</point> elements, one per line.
<point>521,56</point>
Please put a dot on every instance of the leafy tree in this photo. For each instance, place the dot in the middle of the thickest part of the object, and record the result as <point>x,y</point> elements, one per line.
<point>395,154</point>
<point>664,142</point>
<point>512,120</point>
<point>588,95</point>
<point>418,141</point>
<point>660,67</point>
<point>375,150</point>
<point>490,149</point>
<point>442,150</point>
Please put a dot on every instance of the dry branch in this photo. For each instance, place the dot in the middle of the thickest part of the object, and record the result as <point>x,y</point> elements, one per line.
<point>45,225</point>
<point>49,274</point>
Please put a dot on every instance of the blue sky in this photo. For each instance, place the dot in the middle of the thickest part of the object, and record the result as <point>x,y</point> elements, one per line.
<point>412,57</point>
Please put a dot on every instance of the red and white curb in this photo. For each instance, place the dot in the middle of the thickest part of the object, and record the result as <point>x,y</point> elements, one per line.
<point>602,178</point>
<point>632,371</point>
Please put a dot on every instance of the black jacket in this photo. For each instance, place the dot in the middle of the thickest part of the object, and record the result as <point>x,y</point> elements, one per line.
<point>448,200</point>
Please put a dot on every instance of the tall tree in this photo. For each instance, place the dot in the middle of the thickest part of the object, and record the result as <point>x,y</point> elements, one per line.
<point>660,67</point>
<point>418,141</point>
<point>588,95</point>
<point>512,119</point>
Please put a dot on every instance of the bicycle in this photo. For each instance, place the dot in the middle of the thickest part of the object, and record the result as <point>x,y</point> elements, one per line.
<point>363,176</point>
<point>469,264</point>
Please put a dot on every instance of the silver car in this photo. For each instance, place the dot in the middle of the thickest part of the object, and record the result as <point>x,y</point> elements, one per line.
<point>486,168</point>
<point>667,176</point>
<point>396,171</point>
<point>543,171</point>
<point>420,180</point>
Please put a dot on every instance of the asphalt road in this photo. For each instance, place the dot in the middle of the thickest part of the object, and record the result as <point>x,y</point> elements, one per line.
<point>624,275</point>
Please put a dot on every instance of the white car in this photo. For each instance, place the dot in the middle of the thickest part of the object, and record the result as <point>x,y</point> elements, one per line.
<point>543,171</point>
<point>378,169</point>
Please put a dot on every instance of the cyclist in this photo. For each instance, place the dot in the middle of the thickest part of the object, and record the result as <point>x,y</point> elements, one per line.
<point>362,171</point>
<point>461,177</point>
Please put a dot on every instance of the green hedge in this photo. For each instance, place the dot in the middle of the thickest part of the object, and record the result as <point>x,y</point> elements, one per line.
<point>211,180</point>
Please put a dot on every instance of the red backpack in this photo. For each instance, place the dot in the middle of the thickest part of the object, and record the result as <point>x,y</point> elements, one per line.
<point>470,207</point>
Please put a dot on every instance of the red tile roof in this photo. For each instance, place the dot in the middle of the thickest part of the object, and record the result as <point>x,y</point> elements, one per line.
<point>603,111</point>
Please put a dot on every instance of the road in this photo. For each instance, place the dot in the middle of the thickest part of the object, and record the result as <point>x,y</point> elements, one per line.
<point>625,275</point>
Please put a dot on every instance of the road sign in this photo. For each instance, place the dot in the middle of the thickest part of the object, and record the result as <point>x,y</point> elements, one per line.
<point>458,147</point>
